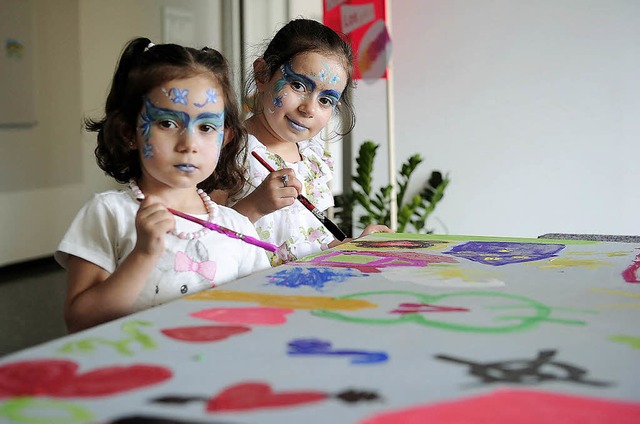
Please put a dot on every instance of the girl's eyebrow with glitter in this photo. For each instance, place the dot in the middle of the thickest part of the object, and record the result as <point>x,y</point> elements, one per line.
<point>331,93</point>
<point>215,118</point>
<point>290,74</point>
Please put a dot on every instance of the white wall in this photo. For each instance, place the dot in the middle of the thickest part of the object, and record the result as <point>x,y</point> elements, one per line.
<point>531,106</point>
<point>37,196</point>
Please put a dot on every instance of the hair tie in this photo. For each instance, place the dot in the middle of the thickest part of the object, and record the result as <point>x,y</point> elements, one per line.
<point>149,46</point>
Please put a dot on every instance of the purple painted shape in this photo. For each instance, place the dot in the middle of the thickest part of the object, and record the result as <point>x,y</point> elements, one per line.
<point>498,253</point>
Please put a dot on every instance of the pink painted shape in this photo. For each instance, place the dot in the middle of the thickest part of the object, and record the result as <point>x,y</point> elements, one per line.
<point>204,333</point>
<point>630,274</point>
<point>248,316</point>
<point>517,407</point>
<point>255,395</point>
<point>379,260</point>
<point>60,378</point>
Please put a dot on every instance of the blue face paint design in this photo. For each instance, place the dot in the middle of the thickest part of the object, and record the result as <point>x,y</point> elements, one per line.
<point>302,83</point>
<point>330,96</point>
<point>292,77</point>
<point>277,101</point>
<point>147,150</point>
<point>176,95</point>
<point>324,75</point>
<point>206,122</point>
<point>212,97</point>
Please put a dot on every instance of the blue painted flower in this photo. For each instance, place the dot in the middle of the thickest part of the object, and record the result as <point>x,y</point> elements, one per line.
<point>212,97</point>
<point>178,96</point>
<point>147,151</point>
<point>277,101</point>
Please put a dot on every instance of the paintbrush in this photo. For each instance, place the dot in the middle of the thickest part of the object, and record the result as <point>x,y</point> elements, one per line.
<point>330,225</point>
<point>226,231</point>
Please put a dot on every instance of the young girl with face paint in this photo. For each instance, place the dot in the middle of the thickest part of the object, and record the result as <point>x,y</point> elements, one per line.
<point>301,81</point>
<point>172,132</point>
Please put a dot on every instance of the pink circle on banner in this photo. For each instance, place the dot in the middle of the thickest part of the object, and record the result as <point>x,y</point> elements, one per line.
<point>374,51</point>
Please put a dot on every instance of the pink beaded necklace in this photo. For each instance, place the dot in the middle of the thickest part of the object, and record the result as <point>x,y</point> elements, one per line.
<point>209,205</point>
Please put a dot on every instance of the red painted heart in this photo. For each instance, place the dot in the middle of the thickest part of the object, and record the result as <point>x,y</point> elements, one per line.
<point>248,316</point>
<point>204,333</point>
<point>60,378</point>
<point>252,395</point>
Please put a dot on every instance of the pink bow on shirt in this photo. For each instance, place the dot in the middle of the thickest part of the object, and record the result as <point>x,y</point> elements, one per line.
<point>205,268</point>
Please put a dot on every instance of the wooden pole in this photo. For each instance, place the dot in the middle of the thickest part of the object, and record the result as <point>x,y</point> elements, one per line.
<point>393,207</point>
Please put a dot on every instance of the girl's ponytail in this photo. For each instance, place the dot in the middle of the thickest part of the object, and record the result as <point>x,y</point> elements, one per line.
<point>129,61</point>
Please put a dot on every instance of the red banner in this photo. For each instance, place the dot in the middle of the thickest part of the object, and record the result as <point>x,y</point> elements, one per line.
<point>364,21</point>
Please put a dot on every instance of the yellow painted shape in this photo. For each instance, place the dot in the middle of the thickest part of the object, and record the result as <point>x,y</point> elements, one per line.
<point>613,254</point>
<point>570,262</point>
<point>448,272</point>
<point>281,301</point>
<point>620,293</point>
<point>609,254</point>
<point>354,259</point>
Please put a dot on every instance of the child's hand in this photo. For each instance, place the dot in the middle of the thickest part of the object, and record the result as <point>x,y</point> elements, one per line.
<point>369,229</point>
<point>153,221</point>
<point>376,228</point>
<point>273,194</point>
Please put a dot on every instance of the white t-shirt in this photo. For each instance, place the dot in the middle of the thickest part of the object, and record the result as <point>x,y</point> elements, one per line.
<point>103,232</point>
<point>295,230</point>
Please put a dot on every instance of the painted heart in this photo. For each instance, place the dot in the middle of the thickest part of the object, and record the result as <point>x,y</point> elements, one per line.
<point>247,396</point>
<point>60,378</point>
<point>247,316</point>
<point>204,333</point>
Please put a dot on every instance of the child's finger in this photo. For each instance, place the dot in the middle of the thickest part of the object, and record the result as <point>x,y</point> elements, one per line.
<point>376,228</point>
<point>288,179</point>
<point>153,215</point>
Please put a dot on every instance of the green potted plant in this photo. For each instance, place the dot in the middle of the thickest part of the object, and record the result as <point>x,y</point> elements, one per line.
<point>412,212</point>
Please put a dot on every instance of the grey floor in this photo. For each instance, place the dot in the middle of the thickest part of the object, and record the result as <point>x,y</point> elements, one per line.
<point>31,298</point>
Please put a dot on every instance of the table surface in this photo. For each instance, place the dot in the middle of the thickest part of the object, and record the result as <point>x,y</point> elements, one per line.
<point>391,328</point>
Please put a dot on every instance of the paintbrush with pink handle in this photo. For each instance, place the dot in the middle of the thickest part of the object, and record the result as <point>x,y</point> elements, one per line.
<point>226,231</point>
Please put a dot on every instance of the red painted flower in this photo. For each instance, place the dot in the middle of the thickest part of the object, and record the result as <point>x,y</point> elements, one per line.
<point>60,378</point>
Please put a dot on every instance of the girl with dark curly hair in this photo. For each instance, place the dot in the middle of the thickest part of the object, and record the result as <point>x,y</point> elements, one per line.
<point>172,131</point>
